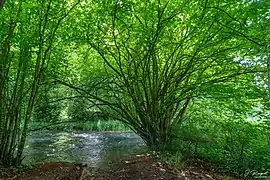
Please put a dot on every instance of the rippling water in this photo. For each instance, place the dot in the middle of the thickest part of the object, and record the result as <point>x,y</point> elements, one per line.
<point>95,149</point>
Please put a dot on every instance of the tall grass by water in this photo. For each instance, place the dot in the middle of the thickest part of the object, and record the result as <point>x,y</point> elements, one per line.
<point>91,125</point>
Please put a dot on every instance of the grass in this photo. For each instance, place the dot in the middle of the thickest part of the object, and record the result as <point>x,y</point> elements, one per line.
<point>91,125</point>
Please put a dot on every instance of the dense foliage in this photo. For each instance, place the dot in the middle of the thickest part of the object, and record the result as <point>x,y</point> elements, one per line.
<point>190,76</point>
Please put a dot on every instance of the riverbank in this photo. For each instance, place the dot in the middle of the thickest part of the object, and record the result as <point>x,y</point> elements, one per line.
<point>131,168</point>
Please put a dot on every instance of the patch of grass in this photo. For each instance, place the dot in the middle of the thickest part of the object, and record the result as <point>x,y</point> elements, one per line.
<point>174,159</point>
<point>92,125</point>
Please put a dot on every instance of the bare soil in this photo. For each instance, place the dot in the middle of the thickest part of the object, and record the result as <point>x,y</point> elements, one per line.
<point>139,167</point>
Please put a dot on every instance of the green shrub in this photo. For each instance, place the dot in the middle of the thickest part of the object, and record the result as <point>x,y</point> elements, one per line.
<point>237,146</point>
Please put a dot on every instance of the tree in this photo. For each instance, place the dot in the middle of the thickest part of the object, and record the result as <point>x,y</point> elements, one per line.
<point>29,35</point>
<point>158,55</point>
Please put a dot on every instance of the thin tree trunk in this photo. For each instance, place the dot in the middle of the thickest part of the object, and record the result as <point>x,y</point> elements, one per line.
<point>268,68</point>
<point>2,2</point>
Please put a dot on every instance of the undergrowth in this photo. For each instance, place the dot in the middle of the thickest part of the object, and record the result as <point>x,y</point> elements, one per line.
<point>238,147</point>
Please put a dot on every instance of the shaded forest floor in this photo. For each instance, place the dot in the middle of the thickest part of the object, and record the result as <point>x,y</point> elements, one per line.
<point>132,168</point>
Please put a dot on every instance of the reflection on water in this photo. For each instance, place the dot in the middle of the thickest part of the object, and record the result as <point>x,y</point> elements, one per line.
<point>95,149</point>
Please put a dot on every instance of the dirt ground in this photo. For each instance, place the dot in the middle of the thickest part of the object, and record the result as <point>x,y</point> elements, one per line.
<point>144,167</point>
<point>139,167</point>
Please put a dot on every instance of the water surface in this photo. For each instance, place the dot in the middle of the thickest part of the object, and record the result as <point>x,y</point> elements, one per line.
<point>95,149</point>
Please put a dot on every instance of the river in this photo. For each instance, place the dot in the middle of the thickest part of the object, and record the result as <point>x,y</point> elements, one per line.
<point>94,148</point>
